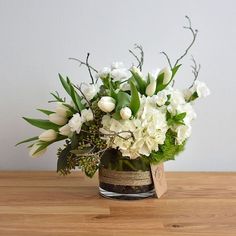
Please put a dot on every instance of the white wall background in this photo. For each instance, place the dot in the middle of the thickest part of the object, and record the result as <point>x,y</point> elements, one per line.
<point>37,37</point>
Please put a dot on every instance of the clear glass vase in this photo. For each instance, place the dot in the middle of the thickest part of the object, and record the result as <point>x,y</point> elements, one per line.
<point>122,178</point>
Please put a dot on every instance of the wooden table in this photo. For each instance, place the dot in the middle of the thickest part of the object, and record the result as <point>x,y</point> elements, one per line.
<point>43,203</point>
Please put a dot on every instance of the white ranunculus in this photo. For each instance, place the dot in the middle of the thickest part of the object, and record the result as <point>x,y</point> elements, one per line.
<point>57,119</point>
<point>167,75</point>
<point>34,148</point>
<point>86,115</point>
<point>104,72</point>
<point>62,110</point>
<point>48,135</point>
<point>183,132</point>
<point>119,74</point>
<point>107,104</point>
<point>75,123</point>
<point>151,88</point>
<point>117,65</point>
<point>161,98</point>
<point>201,89</point>
<point>125,113</point>
<point>89,90</point>
<point>66,130</point>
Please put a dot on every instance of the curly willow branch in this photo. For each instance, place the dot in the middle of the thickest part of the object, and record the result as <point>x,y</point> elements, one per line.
<point>141,59</point>
<point>195,70</point>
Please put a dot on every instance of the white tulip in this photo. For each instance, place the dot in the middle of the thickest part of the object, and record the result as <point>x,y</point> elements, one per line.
<point>48,135</point>
<point>86,115</point>
<point>75,123</point>
<point>136,70</point>
<point>167,75</point>
<point>119,74</point>
<point>34,148</point>
<point>65,130</point>
<point>125,113</point>
<point>57,119</point>
<point>151,88</point>
<point>201,89</point>
<point>104,72</point>
<point>62,110</point>
<point>89,90</point>
<point>107,104</point>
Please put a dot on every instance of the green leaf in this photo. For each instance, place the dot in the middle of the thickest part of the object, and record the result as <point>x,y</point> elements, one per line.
<point>139,80</point>
<point>42,145</point>
<point>193,97</point>
<point>180,116</point>
<point>42,124</point>
<point>76,98</point>
<point>159,81</point>
<point>112,90</point>
<point>27,140</point>
<point>63,158</point>
<point>123,100</point>
<point>47,112</point>
<point>65,84</point>
<point>135,100</point>
<point>174,70</point>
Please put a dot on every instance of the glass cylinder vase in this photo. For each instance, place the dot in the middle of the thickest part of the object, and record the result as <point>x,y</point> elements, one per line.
<point>124,178</point>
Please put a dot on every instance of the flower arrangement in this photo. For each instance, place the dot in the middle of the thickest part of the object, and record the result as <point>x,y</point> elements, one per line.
<point>136,115</point>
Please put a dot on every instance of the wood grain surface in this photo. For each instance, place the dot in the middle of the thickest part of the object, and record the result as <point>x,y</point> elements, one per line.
<point>43,203</point>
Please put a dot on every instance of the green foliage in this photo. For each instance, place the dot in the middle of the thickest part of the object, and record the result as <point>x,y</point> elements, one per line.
<point>177,119</point>
<point>135,101</point>
<point>193,97</point>
<point>27,140</point>
<point>42,124</point>
<point>46,112</point>
<point>140,83</point>
<point>168,150</point>
<point>123,100</point>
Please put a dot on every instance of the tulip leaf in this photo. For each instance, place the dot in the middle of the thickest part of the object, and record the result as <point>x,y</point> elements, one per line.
<point>27,140</point>
<point>42,124</point>
<point>174,70</point>
<point>135,100</point>
<point>47,112</point>
<point>193,97</point>
<point>140,82</point>
<point>160,86</point>
<point>123,100</point>
<point>42,146</point>
<point>76,98</point>
<point>65,84</point>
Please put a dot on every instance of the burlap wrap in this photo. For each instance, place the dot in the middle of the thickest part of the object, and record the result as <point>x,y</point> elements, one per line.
<point>125,178</point>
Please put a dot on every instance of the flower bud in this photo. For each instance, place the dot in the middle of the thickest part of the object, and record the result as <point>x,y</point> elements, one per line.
<point>65,130</point>
<point>125,113</point>
<point>34,148</point>
<point>167,75</point>
<point>56,119</point>
<point>48,135</point>
<point>151,88</point>
<point>107,104</point>
<point>62,110</point>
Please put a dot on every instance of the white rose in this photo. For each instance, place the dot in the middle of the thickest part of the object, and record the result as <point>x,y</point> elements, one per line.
<point>57,119</point>
<point>161,98</point>
<point>86,115</point>
<point>167,75</point>
<point>48,135</point>
<point>201,89</point>
<point>119,74</point>
<point>62,110</point>
<point>75,123</point>
<point>89,90</point>
<point>104,72</point>
<point>151,88</point>
<point>117,65</point>
<point>34,148</point>
<point>107,104</point>
<point>125,113</point>
<point>65,130</point>
<point>183,132</point>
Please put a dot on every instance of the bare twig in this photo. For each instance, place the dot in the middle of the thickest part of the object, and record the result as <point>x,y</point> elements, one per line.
<point>141,59</point>
<point>83,63</point>
<point>118,134</point>
<point>89,69</point>
<point>195,70</point>
<point>167,58</point>
<point>194,34</point>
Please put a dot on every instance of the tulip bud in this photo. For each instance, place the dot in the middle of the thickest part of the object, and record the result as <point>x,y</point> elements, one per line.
<point>62,110</point>
<point>107,104</point>
<point>151,88</point>
<point>125,113</point>
<point>56,119</point>
<point>104,72</point>
<point>34,148</point>
<point>48,135</point>
<point>167,75</point>
<point>66,130</point>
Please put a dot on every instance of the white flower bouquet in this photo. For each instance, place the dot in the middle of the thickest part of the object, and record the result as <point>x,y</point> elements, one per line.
<point>124,120</point>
